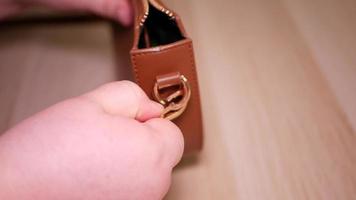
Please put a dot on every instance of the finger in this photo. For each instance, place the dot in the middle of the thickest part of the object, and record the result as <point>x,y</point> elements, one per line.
<point>127,99</point>
<point>8,9</point>
<point>171,138</point>
<point>120,10</point>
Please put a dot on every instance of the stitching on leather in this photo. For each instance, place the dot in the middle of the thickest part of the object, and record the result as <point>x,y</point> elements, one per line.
<point>135,68</point>
<point>193,70</point>
<point>191,60</point>
<point>163,50</point>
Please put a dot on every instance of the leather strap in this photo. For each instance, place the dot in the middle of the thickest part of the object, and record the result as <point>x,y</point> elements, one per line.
<point>164,64</point>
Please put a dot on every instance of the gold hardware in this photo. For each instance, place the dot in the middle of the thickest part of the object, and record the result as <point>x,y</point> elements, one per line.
<point>143,19</point>
<point>173,109</point>
<point>158,6</point>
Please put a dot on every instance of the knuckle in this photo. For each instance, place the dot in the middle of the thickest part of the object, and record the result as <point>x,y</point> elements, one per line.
<point>164,126</point>
<point>132,87</point>
<point>127,88</point>
<point>169,137</point>
<point>128,84</point>
<point>125,84</point>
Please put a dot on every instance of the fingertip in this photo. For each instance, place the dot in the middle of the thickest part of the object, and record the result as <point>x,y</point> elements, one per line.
<point>149,110</point>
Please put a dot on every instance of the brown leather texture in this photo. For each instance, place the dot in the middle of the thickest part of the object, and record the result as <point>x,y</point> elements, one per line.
<point>167,80</point>
<point>148,63</point>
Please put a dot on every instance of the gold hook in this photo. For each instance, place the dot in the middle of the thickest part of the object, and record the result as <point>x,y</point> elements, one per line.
<point>173,109</point>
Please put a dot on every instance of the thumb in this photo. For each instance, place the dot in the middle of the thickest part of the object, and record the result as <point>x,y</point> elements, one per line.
<point>127,99</point>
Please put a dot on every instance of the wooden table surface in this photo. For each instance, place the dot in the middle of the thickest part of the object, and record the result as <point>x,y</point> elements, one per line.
<point>278,84</point>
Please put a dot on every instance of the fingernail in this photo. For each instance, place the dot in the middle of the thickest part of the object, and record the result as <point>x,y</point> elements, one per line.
<point>152,110</point>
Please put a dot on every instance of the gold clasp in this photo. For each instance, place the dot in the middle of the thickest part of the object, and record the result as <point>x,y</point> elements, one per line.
<point>176,102</point>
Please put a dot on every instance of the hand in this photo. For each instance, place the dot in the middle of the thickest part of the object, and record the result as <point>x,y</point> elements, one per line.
<point>119,10</point>
<point>106,144</point>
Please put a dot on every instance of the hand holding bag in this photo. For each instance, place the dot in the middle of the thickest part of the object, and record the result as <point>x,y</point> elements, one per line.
<point>163,64</point>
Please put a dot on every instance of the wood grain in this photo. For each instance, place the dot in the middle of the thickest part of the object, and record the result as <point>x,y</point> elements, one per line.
<point>279,120</point>
<point>277,80</point>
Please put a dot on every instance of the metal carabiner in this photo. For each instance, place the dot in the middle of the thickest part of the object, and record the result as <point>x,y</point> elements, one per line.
<point>174,109</point>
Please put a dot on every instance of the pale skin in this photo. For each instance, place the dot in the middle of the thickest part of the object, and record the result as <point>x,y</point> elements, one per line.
<point>119,10</point>
<point>106,144</point>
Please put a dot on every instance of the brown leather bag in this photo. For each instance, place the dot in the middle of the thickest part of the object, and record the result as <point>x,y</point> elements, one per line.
<point>163,65</point>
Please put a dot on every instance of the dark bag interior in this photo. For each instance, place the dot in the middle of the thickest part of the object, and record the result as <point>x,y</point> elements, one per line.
<point>159,29</point>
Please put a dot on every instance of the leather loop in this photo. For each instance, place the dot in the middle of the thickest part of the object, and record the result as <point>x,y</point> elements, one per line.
<point>174,95</point>
<point>168,80</point>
